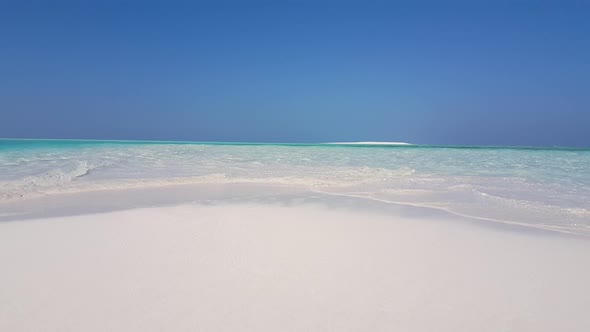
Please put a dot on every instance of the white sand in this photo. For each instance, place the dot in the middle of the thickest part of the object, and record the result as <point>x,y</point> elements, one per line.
<point>370,143</point>
<point>267,267</point>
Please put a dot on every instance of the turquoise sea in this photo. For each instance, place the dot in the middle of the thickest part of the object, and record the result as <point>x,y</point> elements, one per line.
<point>545,187</point>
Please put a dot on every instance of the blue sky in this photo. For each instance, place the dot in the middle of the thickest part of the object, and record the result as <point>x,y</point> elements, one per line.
<point>502,72</point>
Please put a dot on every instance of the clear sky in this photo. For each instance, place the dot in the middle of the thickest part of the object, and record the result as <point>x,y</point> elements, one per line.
<point>494,72</point>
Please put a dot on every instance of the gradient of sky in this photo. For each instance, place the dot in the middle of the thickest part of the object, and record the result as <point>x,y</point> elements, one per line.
<point>497,72</point>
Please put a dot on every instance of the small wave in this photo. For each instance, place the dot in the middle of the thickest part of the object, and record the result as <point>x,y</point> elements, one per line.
<point>52,178</point>
<point>59,175</point>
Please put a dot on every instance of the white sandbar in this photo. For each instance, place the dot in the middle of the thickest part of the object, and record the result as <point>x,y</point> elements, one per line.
<point>276,267</point>
<point>370,143</point>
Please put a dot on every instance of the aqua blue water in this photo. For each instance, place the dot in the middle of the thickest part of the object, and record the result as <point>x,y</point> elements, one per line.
<point>542,186</point>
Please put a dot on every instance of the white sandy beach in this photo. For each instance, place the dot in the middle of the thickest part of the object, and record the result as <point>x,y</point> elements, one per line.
<point>286,266</point>
<point>277,166</point>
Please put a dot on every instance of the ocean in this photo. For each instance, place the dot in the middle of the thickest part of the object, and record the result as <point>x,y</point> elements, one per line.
<point>545,188</point>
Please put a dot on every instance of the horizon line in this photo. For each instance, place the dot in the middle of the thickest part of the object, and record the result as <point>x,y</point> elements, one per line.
<point>335,144</point>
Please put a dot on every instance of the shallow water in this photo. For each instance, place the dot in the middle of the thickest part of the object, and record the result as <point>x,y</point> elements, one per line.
<point>547,187</point>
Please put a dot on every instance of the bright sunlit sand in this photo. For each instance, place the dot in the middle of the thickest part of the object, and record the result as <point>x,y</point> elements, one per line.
<point>281,262</point>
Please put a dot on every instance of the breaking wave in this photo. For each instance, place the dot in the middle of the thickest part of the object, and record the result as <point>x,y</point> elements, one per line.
<point>55,177</point>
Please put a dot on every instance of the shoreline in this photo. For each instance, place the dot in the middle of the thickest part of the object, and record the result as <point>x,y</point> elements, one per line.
<point>502,185</point>
<point>112,200</point>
